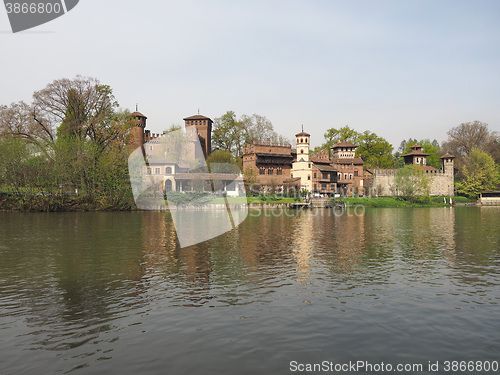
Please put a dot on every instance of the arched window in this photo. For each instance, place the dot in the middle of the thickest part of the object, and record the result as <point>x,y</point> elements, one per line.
<point>168,186</point>
<point>168,170</point>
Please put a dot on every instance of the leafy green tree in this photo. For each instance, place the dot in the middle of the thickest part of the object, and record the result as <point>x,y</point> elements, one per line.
<point>375,151</point>
<point>231,134</point>
<point>333,135</point>
<point>479,173</point>
<point>412,182</point>
<point>228,134</point>
<point>221,161</point>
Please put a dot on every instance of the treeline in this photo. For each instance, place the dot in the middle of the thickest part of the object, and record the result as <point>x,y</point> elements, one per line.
<point>65,150</point>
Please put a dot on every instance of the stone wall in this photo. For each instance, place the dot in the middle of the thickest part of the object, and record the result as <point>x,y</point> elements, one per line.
<point>382,183</point>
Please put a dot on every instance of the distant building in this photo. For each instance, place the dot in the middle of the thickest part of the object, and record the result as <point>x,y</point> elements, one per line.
<point>442,182</point>
<point>270,164</point>
<point>183,169</point>
<point>319,175</point>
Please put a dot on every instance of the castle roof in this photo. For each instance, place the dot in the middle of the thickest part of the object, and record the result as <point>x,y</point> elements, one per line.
<point>197,117</point>
<point>137,114</point>
<point>316,159</point>
<point>303,134</point>
<point>447,156</point>
<point>325,168</point>
<point>416,146</point>
<point>355,161</point>
<point>344,144</point>
<point>415,153</point>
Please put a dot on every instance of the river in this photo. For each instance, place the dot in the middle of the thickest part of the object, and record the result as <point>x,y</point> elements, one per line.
<point>113,293</point>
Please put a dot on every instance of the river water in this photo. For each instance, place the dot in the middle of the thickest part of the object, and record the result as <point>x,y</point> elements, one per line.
<point>112,292</point>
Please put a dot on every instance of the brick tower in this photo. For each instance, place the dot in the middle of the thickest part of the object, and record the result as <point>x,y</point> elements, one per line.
<point>137,132</point>
<point>203,126</point>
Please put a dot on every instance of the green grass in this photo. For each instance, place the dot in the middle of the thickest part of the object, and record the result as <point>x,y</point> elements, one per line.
<point>257,200</point>
<point>399,202</point>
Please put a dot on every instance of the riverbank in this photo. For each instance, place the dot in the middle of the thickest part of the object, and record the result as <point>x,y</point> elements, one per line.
<point>69,203</point>
<point>390,202</point>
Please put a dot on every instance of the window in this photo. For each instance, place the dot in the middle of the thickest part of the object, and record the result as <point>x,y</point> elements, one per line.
<point>309,165</point>
<point>345,176</point>
<point>157,170</point>
<point>301,151</point>
<point>168,170</point>
<point>149,171</point>
<point>270,171</point>
<point>325,176</point>
<point>309,177</point>
<point>279,171</point>
<point>314,174</point>
<point>262,171</point>
<point>356,173</point>
<point>332,187</point>
<point>350,176</point>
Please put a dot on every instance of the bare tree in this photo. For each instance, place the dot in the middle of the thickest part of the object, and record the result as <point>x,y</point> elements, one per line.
<point>18,120</point>
<point>467,136</point>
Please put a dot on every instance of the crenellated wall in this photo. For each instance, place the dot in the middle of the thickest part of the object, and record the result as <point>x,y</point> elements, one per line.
<point>441,183</point>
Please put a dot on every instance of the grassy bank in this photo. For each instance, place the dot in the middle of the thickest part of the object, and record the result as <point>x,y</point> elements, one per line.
<point>254,200</point>
<point>400,202</point>
<point>61,203</point>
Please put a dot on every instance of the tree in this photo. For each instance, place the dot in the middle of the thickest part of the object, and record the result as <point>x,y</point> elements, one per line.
<point>73,136</point>
<point>332,136</point>
<point>375,151</point>
<point>479,173</point>
<point>231,134</point>
<point>221,161</point>
<point>17,120</point>
<point>467,136</point>
<point>411,181</point>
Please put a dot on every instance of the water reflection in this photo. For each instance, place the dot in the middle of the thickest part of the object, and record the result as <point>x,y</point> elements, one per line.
<point>78,283</point>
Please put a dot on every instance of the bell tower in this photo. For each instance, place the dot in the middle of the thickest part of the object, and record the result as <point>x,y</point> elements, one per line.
<point>301,167</point>
<point>302,140</point>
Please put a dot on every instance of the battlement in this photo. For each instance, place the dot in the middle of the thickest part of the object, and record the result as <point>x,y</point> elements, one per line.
<point>268,148</point>
<point>148,136</point>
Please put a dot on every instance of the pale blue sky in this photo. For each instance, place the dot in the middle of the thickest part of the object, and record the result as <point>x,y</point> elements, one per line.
<point>398,68</point>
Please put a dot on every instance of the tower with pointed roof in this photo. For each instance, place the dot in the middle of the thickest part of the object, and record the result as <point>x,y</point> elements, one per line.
<point>416,156</point>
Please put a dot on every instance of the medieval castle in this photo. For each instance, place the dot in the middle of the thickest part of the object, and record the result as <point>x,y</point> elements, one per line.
<point>279,167</point>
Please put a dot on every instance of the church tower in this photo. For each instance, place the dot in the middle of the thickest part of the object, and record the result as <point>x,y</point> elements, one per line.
<point>302,167</point>
<point>203,127</point>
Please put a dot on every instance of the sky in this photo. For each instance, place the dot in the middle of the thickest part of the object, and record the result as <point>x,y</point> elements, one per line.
<point>401,69</point>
